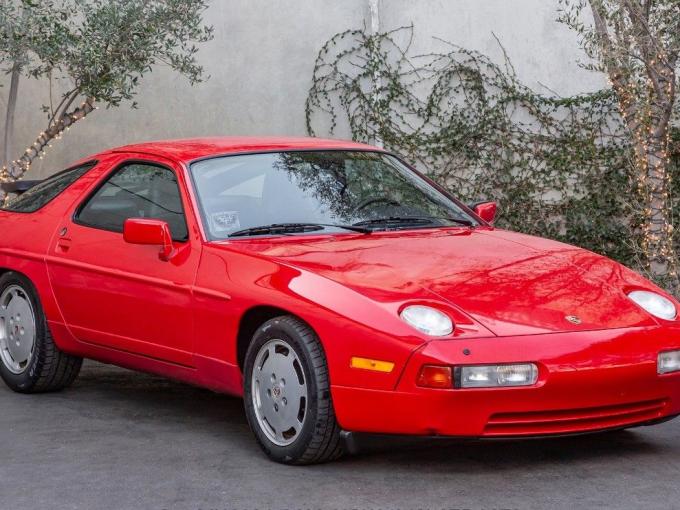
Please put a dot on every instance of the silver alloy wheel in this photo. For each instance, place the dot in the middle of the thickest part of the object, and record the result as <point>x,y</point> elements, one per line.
<point>279,392</point>
<point>17,329</point>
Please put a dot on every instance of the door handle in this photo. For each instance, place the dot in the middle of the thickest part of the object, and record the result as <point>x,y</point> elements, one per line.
<point>63,244</point>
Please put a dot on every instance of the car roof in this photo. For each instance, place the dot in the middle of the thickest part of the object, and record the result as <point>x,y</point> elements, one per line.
<point>196,148</point>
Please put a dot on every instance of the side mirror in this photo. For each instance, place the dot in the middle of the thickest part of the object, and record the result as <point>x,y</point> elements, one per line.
<point>485,210</point>
<point>150,232</point>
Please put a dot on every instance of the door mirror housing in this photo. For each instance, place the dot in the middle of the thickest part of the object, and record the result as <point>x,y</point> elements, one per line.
<point>485,210</point>
<point>150,232</point>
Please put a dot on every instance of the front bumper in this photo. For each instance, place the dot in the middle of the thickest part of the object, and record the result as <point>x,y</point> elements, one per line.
<point>588,381</point>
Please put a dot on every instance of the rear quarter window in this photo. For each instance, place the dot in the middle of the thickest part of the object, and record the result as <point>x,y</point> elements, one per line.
<point>43,193</point>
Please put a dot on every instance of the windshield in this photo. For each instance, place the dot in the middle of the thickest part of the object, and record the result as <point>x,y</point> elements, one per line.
<point>239,193</point>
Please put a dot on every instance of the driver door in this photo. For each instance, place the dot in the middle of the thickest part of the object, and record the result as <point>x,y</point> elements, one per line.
<point>120,295</point>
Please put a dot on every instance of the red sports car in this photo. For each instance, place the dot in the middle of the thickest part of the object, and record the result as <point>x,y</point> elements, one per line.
<point>333,287</point>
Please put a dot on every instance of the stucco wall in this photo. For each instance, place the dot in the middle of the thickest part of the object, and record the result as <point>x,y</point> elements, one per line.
<point>262,58</point>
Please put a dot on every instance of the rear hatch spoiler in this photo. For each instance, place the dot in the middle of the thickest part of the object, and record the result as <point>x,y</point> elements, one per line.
<point>18,187</point>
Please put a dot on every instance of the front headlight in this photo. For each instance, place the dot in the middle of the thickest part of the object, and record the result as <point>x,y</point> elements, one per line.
<point>669,362</point>
<point>496,376</point>
<point>428,320</point>
<point>657,305</point>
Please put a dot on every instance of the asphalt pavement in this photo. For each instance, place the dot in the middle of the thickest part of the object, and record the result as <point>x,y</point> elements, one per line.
<point>120,439</point>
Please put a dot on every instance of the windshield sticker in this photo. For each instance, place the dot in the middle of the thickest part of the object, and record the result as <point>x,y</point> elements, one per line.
<point>224,221</point>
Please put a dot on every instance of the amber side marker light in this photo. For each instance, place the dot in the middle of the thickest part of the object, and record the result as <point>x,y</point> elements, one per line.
<point>371,364</point>
<point>434,376</point>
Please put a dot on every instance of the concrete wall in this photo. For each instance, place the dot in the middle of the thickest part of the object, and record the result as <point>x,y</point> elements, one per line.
<point>261,62</point>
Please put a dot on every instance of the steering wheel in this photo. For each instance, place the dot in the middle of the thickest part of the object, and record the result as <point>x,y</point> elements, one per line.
<point>377,200</point>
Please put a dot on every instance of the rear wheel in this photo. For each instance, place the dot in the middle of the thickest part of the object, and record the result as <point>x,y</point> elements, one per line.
<point>30,362</point>
<point>287,394</point>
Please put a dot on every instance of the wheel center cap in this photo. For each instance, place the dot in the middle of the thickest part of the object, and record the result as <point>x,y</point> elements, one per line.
<point>276,391</point>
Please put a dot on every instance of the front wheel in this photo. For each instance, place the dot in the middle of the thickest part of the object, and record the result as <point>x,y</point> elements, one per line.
<point>287,394</point>
<point>30,361</point>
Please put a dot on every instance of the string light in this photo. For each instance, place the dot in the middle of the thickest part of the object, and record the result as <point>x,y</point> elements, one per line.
<point>44,140</point>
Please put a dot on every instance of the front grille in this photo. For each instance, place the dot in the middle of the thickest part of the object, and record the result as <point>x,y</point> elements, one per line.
<point>568,421</point>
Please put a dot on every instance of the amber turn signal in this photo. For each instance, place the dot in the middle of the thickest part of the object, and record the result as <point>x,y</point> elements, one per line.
<point>371,364</point>
<point>434,376</point>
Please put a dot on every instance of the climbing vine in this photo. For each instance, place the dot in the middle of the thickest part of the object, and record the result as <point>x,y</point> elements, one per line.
<point>559,167</point>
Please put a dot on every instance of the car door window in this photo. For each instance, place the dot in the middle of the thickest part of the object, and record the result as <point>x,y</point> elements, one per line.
<point>43,193</point>
<point>136,190</point>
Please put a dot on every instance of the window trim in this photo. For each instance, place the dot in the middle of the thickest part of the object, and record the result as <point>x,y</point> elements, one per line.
<point>92,163</point>
<point>109,175</point>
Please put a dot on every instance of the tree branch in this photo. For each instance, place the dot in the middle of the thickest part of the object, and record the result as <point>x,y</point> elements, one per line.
<point>72,96</point>
<point>63,106</point>
<point>613,69</point>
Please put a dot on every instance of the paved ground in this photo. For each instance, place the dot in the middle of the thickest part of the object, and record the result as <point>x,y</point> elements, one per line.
<point>118,439</point>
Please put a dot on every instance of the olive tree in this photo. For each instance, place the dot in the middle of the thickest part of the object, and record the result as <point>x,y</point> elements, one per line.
<point>23,26</point>
<point>95,52</point>
<point>636,43</point>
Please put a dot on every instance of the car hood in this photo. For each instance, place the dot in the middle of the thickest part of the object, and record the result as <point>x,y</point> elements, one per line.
<point>509,283</point>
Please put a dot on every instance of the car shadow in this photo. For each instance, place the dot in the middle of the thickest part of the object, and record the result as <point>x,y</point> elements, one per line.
<point>469,455</point>
<point>155,400</point>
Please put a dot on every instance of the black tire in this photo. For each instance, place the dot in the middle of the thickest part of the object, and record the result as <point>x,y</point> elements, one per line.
<point>48,368</point>
<point>319,438</point>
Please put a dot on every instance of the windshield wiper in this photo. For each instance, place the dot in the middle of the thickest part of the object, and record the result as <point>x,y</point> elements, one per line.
<point>295,228</point>
<point>396,221</point>
<point>459,221</point>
